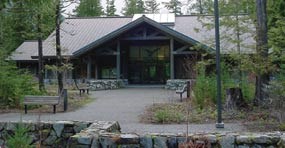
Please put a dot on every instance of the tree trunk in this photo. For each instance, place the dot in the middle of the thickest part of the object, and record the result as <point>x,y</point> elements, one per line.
<point>262,50</point>
<point>40,54</point>
<point>58,48</point>
<point>234,99</point>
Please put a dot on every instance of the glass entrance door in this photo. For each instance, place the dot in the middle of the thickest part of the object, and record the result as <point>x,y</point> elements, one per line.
<point>148,64</point>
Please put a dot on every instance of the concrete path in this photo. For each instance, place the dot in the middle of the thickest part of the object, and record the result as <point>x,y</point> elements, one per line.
<point>124,106</point>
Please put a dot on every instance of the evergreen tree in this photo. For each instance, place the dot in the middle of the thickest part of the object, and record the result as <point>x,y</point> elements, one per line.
<point>133,6</point>
<point>151,6</point>
<point>89,8</point>
<point>110,8</point>
<point>174,6</point>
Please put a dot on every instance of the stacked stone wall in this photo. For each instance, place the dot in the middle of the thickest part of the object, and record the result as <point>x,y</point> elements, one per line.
<point>102,134</point>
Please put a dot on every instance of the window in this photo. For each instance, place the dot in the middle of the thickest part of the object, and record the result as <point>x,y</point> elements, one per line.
<point>108,73</point>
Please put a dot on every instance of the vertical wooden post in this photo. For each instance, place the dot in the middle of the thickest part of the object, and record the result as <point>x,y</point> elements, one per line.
<point>188,89</point>
<point>118,57</point>
<point>171,58</point>
<point>65,103</point>
<point>89,66</point>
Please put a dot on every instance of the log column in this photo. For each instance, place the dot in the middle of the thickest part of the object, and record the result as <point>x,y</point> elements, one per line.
<point>89,66</point>
<point>118,58</point>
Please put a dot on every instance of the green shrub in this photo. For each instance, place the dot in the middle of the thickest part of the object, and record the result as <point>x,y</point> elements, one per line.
<point>166,116</point>
<point>14,84</point>
<point>282,127</point>
<point>20,139</point>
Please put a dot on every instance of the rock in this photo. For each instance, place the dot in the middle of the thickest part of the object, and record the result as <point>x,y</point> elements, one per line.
<point>84,140</point>
<point>256,146</point>
<point>227,141</point>
<point>181,140</point>
<point>129,146</point>
<point>2,142</point>
<point>106,142</point>
<point>95,143</point>
<point>243,146</point>
<point>172,142</point>
<point>68,130</point>
<point>58,128</point>
<point>160,142</point>
<point>146,141</point>
<point>129,139</point>
<point>243,139</point>
<point>2,125</point>
<point>262,139</point>
<point>66,135</point>
<point>79,126</point>
<point>211,138</point>
<point>50,140</point>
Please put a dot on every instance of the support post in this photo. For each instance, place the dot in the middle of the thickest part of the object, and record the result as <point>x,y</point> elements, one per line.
<point>171,58</point>
<point>65,105</point>
<point>118,57</point>
<point>89,66</point>
<point>188,89</point>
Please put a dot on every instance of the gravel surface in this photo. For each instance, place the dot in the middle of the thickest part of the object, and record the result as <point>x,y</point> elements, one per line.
<point>125,106</point>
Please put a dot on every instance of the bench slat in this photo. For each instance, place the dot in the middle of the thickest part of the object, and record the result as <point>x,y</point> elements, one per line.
<point>49,100</point>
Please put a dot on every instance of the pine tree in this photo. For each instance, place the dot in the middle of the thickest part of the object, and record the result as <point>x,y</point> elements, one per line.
<point>174,6</point>
<point>89,8</point>
<point>110,8</point>
<point>133,6</point>
<point>151,6</point>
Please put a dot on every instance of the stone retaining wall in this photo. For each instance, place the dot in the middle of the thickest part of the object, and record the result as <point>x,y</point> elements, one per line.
<point>106,84</point>
<point>51,134</point>
<point>101,134</point>
<point>174,84</point>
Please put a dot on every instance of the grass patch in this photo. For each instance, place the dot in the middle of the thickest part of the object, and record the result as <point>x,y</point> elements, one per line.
<point>254,119</point>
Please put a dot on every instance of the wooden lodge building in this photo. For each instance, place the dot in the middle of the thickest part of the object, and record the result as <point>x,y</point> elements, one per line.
<point>144,49</point>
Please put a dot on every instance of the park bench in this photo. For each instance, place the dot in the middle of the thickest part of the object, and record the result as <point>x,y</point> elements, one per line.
<point>181,90</point>
<point>82,87</point>
<point>41,100</point>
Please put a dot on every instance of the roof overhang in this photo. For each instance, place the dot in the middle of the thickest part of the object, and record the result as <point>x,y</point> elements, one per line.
<point>176,35</point>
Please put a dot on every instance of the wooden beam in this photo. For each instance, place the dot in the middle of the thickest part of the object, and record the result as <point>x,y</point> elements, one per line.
<point>185,52</point>
<point>118,60</point>
<point>171,59</point>
<point>147,38</point>
<point>89,66</point>
<point>182,48</point>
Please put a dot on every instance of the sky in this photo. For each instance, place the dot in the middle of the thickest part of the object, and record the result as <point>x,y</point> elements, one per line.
<point>119,4</point>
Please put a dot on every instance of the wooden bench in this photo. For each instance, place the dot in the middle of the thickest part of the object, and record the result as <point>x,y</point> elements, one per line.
<point>181,90</point>
<point>82,87</point>
<point>41,100</point>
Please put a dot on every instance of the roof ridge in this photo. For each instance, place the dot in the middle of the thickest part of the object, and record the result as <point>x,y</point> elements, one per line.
<point>95,17</point>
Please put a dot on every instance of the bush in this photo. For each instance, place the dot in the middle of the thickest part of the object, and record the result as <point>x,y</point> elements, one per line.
<point>165,115</point>
<point>14,84</point>
<point>20,139</point>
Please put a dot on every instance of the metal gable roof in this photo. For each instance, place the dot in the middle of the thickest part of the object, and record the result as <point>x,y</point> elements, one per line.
<point>80,34</point>
<point>133,24</point>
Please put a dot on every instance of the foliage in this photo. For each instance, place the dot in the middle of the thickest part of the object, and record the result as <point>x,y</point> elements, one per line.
<point>174,6</point>
<point>20,139</point>
<point>205,87</point>
<point>151,6</point>
<point>89,8</point>
<point>277,95</point>
<point>14,85</point>
<point>110,8</point>
<point>165,115</point>
<point>133,6</point>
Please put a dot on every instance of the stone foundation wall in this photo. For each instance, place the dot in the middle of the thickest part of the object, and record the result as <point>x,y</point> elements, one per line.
<point>174,84</point>
<point>107,84</point>
<point>101,134</point>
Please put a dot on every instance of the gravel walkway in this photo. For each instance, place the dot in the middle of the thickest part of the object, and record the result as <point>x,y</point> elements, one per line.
<point>125,105</point>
